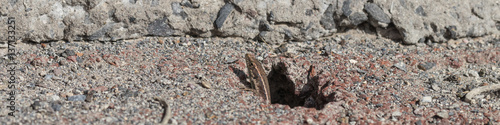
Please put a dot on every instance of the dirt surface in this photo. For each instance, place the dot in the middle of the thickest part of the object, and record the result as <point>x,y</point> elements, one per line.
<point>351,78</point>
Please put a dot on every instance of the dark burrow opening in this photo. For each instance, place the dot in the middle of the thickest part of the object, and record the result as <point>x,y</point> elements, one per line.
<point>283,92</point>
<point>283,89</point>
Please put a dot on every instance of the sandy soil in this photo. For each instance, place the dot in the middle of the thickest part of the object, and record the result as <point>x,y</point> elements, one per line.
<point>350,78</point>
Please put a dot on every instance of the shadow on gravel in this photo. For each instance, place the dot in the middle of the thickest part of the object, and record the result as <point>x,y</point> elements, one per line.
<point>283,89</point>
<point>390,32</point>
<point>241,76</point>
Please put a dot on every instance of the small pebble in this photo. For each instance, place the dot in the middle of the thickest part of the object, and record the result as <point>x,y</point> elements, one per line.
<point>451,113</point>
<point>110,119</point>
<point>54,98</point>
<point>205,84</point>
<point>55,106</point>
<point>426,66</point>
<point>310,121</point>
<point>48,77</point>
<point>482,72</point>
<point>77,98</point>
<point>353,61</point>
<point>473,73</point>
<point>69,52</point>
<point>90,96</point>
<point>400,65</point>
<point>435,87</point>
<point>443,114</point>
<point>396,114</point>
<point>63,62</point>
<point>418,122</point>
<point>426,99</point>
<point>231,60</point>
<point>454,78</point>
<point>260,58</point>
<point>42,73</point>
<point>475,111</point>
<point>57,72</point>
<point>36,105</point>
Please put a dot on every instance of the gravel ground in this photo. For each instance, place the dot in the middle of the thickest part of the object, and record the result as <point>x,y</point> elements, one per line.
<point>351,78</point>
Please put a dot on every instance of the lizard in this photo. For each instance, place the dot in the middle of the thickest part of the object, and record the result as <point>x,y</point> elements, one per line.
<point>258,78</point>
<point>167,114</point>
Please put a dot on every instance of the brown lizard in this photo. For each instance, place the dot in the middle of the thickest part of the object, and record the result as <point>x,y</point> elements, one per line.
<point>258,78</point>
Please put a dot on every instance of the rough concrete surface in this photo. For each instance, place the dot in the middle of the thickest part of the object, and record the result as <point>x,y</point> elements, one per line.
<point>287,20</point>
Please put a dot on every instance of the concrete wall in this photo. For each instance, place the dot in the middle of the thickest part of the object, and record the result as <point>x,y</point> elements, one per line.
<point>271,21</point>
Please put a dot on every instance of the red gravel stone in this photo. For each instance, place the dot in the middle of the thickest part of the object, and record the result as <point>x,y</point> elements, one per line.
<point>71,58</point>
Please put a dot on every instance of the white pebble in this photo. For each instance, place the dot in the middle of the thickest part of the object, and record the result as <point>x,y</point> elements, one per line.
<point>427,99</point>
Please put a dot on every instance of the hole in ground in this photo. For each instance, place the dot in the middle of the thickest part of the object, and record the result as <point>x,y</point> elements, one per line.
<point>283,89</point>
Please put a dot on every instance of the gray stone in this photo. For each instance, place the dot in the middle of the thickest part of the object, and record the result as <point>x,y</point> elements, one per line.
<point>48,77</point>
<point>69,52</point>
<point>418,122</point>
<point>346,9</point>
<point>77,98</point>
<point>451,113</point>
<point>451,32</point>
<point>420,11</point>
<point>282,49</point>
<point>235,1</point>
<point>271,37</point>
<point>223,14</point>
<point>231,60</point>
<point>159,28</point>
<point>56,106</point>
<point>177,9</point>
<point>36,105</point>
<point>110,119</point>
<point>358,18</point>
<point>264,26</point>
<point>327,19</point>
<point>100,34</point>
<point>443,115</point>
<point>190,3</point>
<point>421,40</point>
<point>426,66</point>
<point>377,13</point>
<point>130,93</point>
